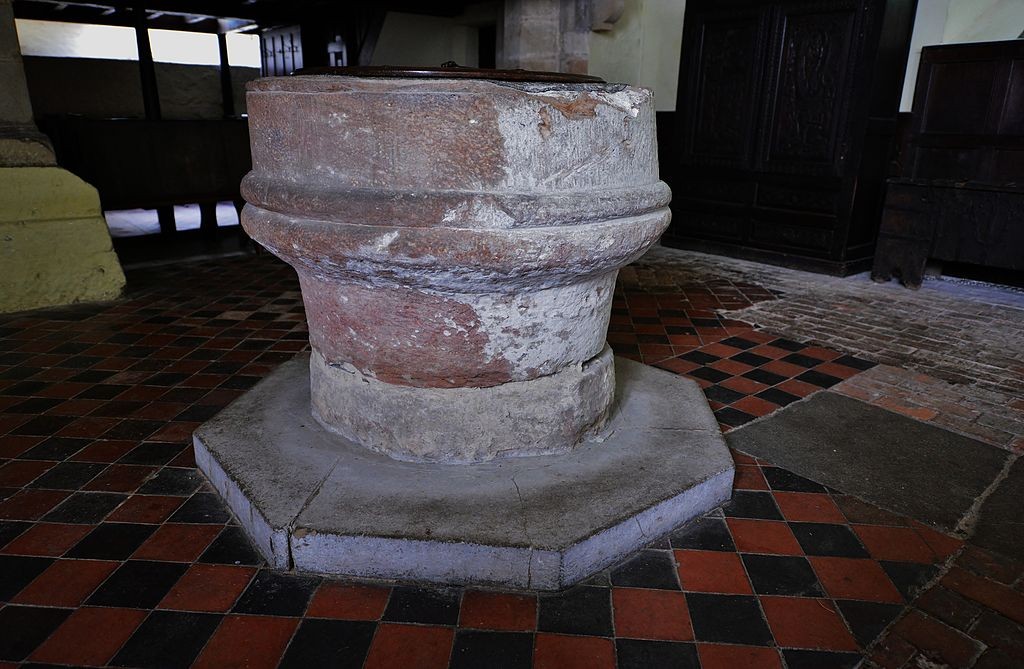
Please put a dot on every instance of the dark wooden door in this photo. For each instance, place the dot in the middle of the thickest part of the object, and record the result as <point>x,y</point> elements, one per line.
<point>773,110</point>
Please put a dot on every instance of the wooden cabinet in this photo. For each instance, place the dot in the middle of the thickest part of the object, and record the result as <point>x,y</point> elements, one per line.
<point>960,195</point>
<point>783,128</point>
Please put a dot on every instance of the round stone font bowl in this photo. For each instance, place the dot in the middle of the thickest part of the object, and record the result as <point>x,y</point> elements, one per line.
<point>457,243</point>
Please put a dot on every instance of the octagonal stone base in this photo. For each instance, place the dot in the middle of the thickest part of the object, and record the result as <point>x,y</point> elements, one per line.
<point>311,501</point>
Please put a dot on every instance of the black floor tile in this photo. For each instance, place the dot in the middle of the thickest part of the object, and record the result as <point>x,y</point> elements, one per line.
<point>44,425</point>
<point>764,376</point>
<point>855,363</point>
<point>706,534</point>
<point>23,628</point>
<point>10,530</point>
<point>699,357</point>
<point>342,644</point>
<point>151,453</point>
<point>647,569</point>
<point>728,619</point>
<point>101,391</point>
<point>800,360</point>
<point>167,640</point>
<point>867,619</point>
<point>783,479</point>
<point>34,405</point>
<point>782,575</point>
<point>739,342</point>
<point>139,584</point>
<point>787,344</point>
<point>232,546</point>
<point>752,359</point>
<point>411,604</point>
<point>494,650</point>
<point>55,448</point>
<point>776,396</point>
<point>908,577</point>
<point>829,540</point>
<point>202,507</point>
<point>112,541</point>
<point>818,379</point>
<point>635,654</point>
<point>709,374</point>
<point>722,394</point>
<point>272,593</point>
<point>85,507</point>
<point>580,610</point>
<point>133,429</point>
<point>751,504</point>
<point>68,476</point>
<point>17,571</point>
<point>198,413</point>
<point>172,481</point>
<point>733,417</point>
<point>820,659</point>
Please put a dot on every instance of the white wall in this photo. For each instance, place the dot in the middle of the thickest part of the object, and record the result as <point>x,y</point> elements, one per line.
<point>643,49</point>
<point>983,20</point>
<point>951,21</point>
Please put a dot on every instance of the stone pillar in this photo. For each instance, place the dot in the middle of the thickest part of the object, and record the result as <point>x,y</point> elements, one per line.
<point>547,35</point>
<point>54,244</point>
<point>457,244</point>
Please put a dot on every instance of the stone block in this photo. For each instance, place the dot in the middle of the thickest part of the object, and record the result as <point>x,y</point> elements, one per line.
<point>312,501</point>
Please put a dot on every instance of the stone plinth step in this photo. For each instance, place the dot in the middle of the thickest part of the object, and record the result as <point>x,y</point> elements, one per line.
<point>313,502</point>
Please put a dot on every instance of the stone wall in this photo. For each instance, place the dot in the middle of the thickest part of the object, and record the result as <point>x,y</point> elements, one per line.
<point>111,88</point>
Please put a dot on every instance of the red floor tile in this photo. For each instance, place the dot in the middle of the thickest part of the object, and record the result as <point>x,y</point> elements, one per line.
<point>407,646</point>
<point>783,368</point>
<point>798,622</point>
<point>90,636</point>
<point>12,445</point>
<point>798,388</point>
<point>720,656</point>
<point>208,587</point>
<point>860,512</point>
<point>120,478</point>
<point>755,406</point>
<point>651,614</point>
<point>498,611</point>
<point>177,542</point>
<point>731,366</point>
<point>712,571</point>
<point>749,477</point>
<point>743,385</point>
<point>247,641</point>
<point>855,578</point>
<point>894,543</point>
<point>146,509</point>
<point>348,601</point>
<point>18,473</point>
<point>104,451</point>
<point>558,651</point>
<point>941,544</point>
<point>763,536</point>
<point>994,595</point>
<point>943,643</point>
<point>808,507</point>
<point>49,539</point>
<point>66,583</point>
<point>31,504</point>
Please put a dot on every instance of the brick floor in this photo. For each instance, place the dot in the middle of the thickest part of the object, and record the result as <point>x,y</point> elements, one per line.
<point>113,550</point>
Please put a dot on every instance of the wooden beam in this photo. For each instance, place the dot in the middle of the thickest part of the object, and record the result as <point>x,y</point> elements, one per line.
<point>147,70</point>
<point>227,90</point>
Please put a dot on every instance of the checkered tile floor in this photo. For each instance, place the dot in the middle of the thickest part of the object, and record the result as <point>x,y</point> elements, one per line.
<point>114,551</point>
